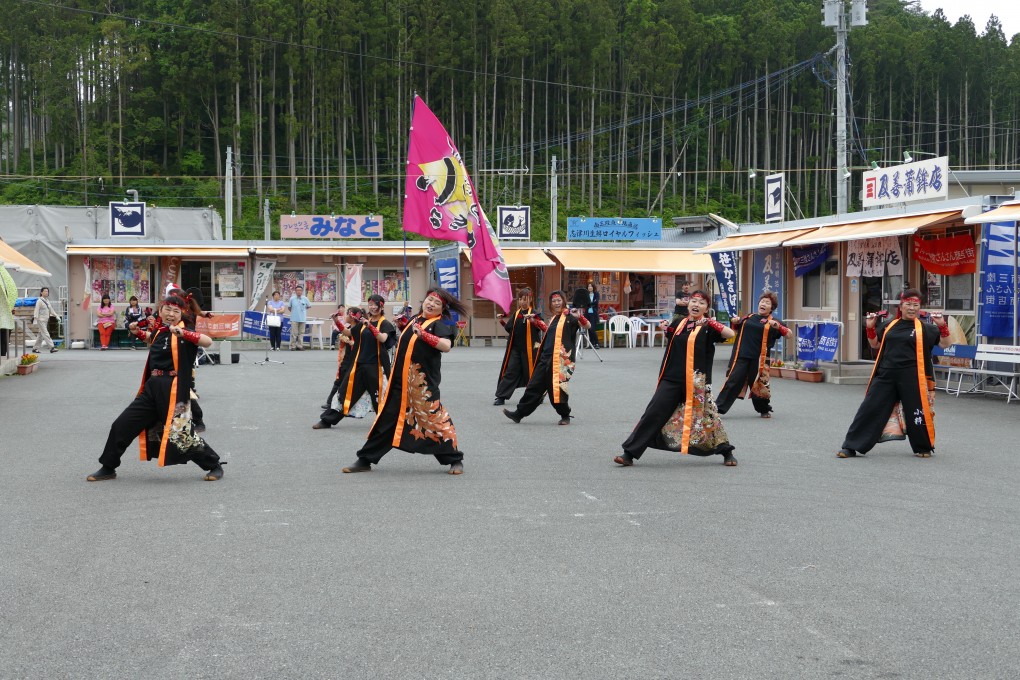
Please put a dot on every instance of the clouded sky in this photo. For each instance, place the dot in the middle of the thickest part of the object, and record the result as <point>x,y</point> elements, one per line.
<point>1008,12</point>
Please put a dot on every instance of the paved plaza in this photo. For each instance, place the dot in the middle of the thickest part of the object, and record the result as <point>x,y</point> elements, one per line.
<point>544,560</point>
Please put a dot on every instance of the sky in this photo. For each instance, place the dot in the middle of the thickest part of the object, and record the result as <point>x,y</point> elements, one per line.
<point>1008,12</point>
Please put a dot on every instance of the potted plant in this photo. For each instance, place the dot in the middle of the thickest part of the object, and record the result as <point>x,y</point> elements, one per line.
<point>27,363</point>
<point>810,372</point>
<point>781,370</point>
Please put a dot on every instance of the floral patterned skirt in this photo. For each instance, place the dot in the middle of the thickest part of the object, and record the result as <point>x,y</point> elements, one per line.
<point>708,436</point>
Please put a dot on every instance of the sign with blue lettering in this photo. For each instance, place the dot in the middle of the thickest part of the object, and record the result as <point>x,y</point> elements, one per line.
<point>254,323</point>
<point>918,181</point>
<point>806,343</point>
<point>828,341</point>
<point>331,226</point>
<point>448,277</point>
<point>614,229</point>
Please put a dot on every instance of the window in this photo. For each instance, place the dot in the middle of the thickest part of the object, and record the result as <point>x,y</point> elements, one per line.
<point>949,292</point>
<point>319,284</point>
<point>122,277</point>
<point>229,279</point>
<point>820,287</point>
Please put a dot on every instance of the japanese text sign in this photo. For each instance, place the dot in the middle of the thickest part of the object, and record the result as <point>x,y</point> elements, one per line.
<point>614,229</point>
<point>918,181</point>
<point>331,226</point>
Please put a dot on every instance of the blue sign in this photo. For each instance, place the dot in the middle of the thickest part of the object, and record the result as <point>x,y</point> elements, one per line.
<point>809,258</point>
<point>827,342</point>
<point>614,229</point>
<point>998,287</point>
<point>725,265</point>
<point>767,275</point>
<point>254,323</point>
<point>127,219</point>
<point>806,343</point>
<point>448,277</point>
<point>955,351</point>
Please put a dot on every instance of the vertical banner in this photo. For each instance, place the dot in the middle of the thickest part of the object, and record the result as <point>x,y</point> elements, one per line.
<point>998,286</point>
<point>775,191</point>
<point>448,279</point>
<point>261,278</point>
<point>171,271</point>
<point>767,275</point>
<point>725,265</point>
<point>352,284</point>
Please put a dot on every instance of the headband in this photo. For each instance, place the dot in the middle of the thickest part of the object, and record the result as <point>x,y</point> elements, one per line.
<point>699,295</point>
<point>912,298</point>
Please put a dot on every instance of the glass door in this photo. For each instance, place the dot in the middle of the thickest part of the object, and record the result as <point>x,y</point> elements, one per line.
<point>198,275</point>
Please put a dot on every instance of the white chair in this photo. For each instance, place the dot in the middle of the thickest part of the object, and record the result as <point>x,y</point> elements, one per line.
<point>639,330</point>
<point>620,325</point>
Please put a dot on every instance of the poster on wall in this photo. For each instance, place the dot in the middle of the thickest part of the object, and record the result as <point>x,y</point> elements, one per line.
<point>120,278</point>
<point>392,285</point>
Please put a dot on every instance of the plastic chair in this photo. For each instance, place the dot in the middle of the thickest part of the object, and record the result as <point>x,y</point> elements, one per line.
<point>620,325</point>
<point>639,330</point>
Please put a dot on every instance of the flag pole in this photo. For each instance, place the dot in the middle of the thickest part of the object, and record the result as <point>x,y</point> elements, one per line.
<point>407,274</point>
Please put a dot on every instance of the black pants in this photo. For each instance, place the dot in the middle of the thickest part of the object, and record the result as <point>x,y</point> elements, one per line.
<point>4,334</point>
<point>540,383</point>
<point>380,439</point>
<point>888,387</point>
<point>744,372</point>
<point>147,411</point>
<point>275,335</point>
<point>366,379</point>
<point>516,373</point>
<point>668,395</point>
<point>593,332</point>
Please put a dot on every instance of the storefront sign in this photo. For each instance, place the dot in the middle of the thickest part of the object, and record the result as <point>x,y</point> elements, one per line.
<point>171,270</point>
<point>767,275</point>
<point>775,187</point>
<point>352,284</point>
<point>874,257</point>
<point>331,226</point>
<point>921,180</point>
<point>998,286</point>
<point>614,229</point>
<point>951,255</point>
<point>127,219</point>
<point>514,222</point>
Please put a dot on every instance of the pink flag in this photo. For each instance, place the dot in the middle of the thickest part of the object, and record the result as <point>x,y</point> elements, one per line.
<point>441,203</point>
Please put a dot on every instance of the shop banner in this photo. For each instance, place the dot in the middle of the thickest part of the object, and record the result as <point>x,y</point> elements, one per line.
<point>998,286</point>
<point>827,342</point>
<point>614,229</point>
<point>219,325</point>
<point>915,181</point>
<point>254,323</point>
<point>725,265</point>
<point>261,278</point>
<point>950,256</point>
<point>87,300</point>
<point>170,268</point>
<point>809,258</point>
<point>874,257</point>
<point>767,275</point>
<point>806,343</point>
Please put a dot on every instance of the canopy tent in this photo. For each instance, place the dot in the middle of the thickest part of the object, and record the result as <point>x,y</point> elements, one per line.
<point>1007,212</point>
<point>754,241</point>
<point>12,259</point>
<point>890,226</point>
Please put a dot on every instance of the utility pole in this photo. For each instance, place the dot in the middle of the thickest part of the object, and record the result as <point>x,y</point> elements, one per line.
<point>835,15</point>
<point>228,194</point>
<point>265,218</point>
<point>552,199</point>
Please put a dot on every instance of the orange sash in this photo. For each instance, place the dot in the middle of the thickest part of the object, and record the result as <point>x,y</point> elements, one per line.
<point>400,373</point>
<point>685,441</point>
<point>922,378</point>
<point>554,395</point>
<point>143,439</point>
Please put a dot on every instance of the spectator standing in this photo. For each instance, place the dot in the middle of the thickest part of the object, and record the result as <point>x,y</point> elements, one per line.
<point>107,322</point>
<point>298,306</point>
<point>41,318</point>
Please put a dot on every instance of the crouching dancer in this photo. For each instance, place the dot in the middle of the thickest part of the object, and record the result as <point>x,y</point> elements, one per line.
<point>160,415</point>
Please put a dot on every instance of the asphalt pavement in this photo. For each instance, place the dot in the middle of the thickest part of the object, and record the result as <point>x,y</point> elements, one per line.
<point>544,560</point>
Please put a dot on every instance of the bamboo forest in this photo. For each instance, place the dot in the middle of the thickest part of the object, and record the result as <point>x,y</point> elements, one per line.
<point>650,107</point>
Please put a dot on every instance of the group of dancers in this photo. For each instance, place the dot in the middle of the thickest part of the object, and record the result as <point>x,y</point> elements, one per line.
<point>682,415</point>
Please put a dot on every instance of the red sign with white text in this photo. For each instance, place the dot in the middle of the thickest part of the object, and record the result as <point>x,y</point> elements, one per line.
<point>950,256</point>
